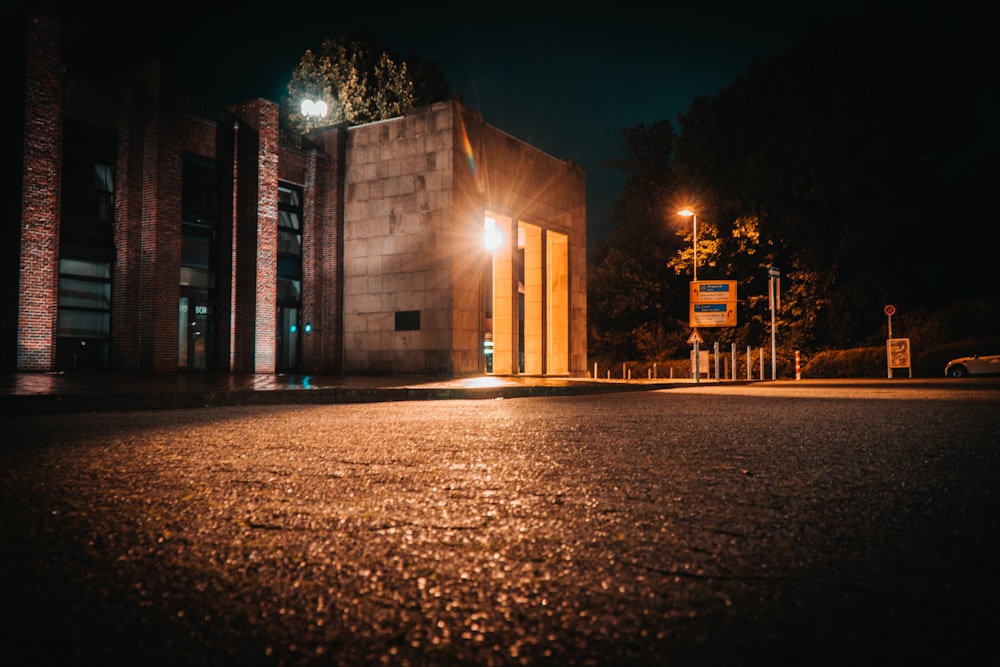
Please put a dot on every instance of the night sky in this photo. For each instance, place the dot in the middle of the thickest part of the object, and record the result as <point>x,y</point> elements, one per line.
<point>566,79</point>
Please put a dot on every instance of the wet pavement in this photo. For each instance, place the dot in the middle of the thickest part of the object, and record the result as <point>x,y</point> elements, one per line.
<point>774,525</point>
<point>41,392</point>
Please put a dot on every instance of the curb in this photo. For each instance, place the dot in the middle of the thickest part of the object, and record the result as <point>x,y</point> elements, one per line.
<point>61,403</point>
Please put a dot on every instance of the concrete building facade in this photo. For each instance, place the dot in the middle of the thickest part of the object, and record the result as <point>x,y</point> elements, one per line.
<point>160,233</point>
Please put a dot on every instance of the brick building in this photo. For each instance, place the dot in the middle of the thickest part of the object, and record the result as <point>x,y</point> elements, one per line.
<point>159,233</point>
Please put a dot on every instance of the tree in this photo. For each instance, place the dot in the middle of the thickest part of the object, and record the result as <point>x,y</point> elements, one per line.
<point>360,81</point>
<point>630,293</point>
<point>840,153</point>
<point>838,162</point>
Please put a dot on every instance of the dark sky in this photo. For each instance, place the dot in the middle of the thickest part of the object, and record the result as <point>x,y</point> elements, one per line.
<point>566,78</point>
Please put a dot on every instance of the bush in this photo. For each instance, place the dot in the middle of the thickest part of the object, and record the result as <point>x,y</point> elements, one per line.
<point>862,362</point>
<point>871,362</point>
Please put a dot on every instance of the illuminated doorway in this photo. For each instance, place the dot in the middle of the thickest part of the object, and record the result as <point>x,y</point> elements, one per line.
<point>195,334</point>
<point>527,316</point>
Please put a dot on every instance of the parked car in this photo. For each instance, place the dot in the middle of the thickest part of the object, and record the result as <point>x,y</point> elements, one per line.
<point>975,365</point>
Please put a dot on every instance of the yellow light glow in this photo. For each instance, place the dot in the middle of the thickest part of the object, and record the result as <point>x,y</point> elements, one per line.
<point>492,238</point>
<point>487,381</point>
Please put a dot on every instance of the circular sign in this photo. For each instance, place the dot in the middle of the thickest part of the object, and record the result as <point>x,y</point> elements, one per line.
<point>890,310</point>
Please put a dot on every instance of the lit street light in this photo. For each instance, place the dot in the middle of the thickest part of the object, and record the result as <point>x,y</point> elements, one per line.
<point>314,109</point>
<point>694,244</point>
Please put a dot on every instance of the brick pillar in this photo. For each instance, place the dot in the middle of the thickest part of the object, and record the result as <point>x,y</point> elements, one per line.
<point>126,278</point>
<point>312,252</point>
<point>38,296</point>
<point>322,287</point>
<point>149,183</point>
<point>256,239</point>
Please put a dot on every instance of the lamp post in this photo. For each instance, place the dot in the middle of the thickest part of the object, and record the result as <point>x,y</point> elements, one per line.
<point>694,243</point>
<point>694,246</point>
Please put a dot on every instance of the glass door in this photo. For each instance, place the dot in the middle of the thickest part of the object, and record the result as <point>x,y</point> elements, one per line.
<point>194,349</point>
<point>289,340</point>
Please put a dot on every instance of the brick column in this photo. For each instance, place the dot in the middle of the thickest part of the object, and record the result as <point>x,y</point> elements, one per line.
<point>256,239</point>
<point>322,301</point>
<point>146,281</point>
<point>38,296</point>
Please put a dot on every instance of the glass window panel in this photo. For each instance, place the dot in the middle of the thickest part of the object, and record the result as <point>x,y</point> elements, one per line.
<point>289,220</point>
<point>289,291</point>
<point>84,293</point>
<point>104,178</point>
<point>201,190</point>
<point>290,196</point>
<point>82,267</point>
<point>195,251</point>
<point>84,324</point>
<point>289,266</point>
<point>289,243</point>
<point>191,277</point>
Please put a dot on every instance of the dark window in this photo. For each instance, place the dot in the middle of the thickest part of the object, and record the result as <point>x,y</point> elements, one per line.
<point>408,320</point>
<point>198,227</point>
<point>201,191</point>
<point>289,246</point>
<point>88,202</point>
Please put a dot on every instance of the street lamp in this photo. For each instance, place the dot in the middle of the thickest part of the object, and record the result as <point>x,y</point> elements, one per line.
<point>314,109</point>
<point>694,244</point>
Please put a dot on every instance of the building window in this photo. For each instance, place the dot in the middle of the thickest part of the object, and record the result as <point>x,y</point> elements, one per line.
<point>200,258</point>
<point>408,320</point>
<point>289,244</point>
<point>199,223</point>
<point>86,248</point>
<point>88,193</point>
<point>289,296</point>
<point>84,321</point>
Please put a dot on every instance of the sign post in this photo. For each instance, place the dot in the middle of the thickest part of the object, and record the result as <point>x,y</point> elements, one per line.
<point>773,287</point>
<point>713,304</point>
<point>696,340</point>
<point>897,350</point>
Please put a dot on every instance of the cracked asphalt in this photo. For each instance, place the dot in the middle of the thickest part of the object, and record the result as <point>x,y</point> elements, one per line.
<point>690,526</point>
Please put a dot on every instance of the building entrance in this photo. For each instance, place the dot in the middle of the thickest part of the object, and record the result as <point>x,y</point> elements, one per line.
<point>289,340</point>
<point>195,334</point>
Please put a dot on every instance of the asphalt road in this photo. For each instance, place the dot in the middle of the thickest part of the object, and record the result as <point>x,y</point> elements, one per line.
<point>768,524</point>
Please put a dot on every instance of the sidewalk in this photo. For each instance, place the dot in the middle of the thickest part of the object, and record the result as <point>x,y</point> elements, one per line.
<point>23,393</point>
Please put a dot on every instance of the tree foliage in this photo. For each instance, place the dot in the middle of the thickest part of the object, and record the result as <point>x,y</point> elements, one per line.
<point>629,291</point>
<point>845,161</point>
<point>360,81</point>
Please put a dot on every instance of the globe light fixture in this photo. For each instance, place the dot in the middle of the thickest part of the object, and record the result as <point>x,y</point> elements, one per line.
<point>314,109</point>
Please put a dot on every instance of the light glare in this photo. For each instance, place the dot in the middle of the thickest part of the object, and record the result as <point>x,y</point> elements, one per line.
<point>311,108</point>
<point>492,238</point>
